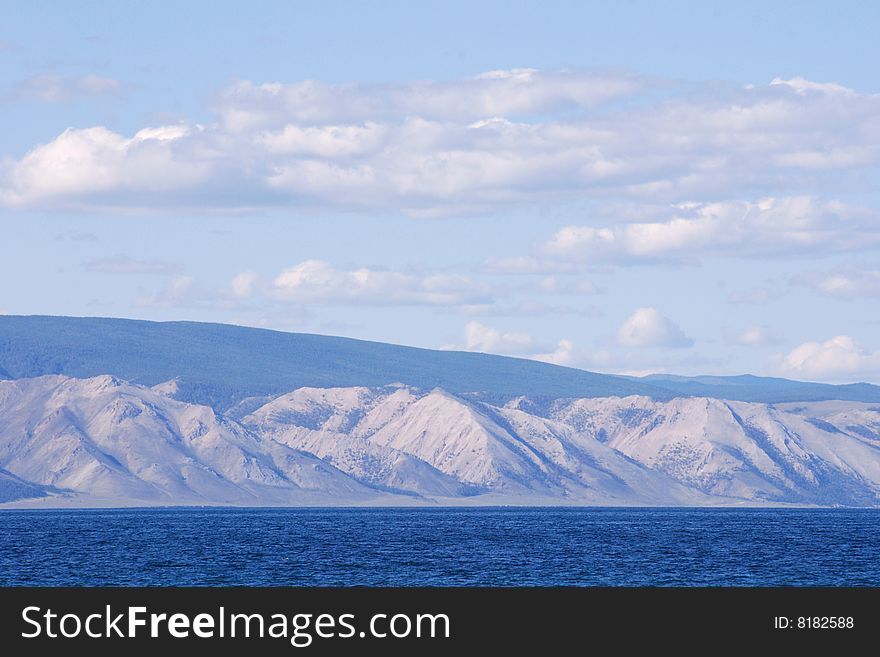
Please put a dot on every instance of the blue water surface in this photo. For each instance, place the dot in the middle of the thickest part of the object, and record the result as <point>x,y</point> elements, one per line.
<point>441,547</point>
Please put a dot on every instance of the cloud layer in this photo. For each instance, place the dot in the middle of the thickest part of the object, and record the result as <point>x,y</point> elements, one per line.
<point>316,281</point>
<point>50,88</point>
<point>121,264</point>
<point>471,145</point>
<point>846,282</point>
<point>784,226</point>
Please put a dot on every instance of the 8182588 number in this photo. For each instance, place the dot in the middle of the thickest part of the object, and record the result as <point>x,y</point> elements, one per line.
<point>814,623</point>
<point>825,622</point>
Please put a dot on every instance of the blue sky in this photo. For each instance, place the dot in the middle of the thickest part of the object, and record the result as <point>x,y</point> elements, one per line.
<point>613,186</point>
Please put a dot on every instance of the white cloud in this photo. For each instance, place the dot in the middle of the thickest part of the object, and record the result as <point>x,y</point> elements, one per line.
<point>472,145</point>
<point>82,167</point>
<point>803,87</point>
<point>784,226</point>
<point>754,336</point>
<point>839,359</point>
<point>246,106</point>
<point>562,355</point>
<point>486,339</point>
<point>479,337</point>
<point>121,264</point>
<point>845,282</point>
<point>316,281</point>
<point>180,291</point>
<point>335,141</point>
<point>50,88</point>
<point>244,284</point>
<point>646,327</point>
<point>577,287</point>
<point>641,373</point>
<point>838,285</point>
<point>754,296</point>
<point>489,339</point>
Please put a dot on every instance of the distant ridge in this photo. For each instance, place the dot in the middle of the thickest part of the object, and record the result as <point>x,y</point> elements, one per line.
<point>769,390</point>
<point>221,365</point>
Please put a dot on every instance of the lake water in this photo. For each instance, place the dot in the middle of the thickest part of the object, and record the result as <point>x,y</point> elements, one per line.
<point>441,547</point>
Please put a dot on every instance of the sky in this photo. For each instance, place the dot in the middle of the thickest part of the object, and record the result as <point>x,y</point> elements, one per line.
<point>632,187</point>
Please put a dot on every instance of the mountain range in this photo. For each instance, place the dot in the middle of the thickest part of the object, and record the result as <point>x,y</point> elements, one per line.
<point>108,412</point>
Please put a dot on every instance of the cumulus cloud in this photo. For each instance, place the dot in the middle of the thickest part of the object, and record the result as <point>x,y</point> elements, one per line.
<point>316,281</point>
<point>576,287</point>
<point>93,166</point>
<point>646,327</point>
<point>562,355</point>
<point>845,282</point>
<point>479,337</point>
<point>121,264</point>
<point>802,87</point>
<point>486,339</point>
<point>784,226</point>
<point>244,284</point>
<point>58,88</point>
<point>466,145</point>
<point>180,291</point>
<point>565,352</point>
<point>841,358</point>
<point>754,336</point>
<point>246,106</point>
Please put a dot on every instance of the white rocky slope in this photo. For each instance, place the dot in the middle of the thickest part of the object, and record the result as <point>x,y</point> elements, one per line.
<point>322,421</point>
<point>483,448</point>
<point>112,440</point>
<point>15,488</point>
<point>819,452</point>
<point>102,439</point>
